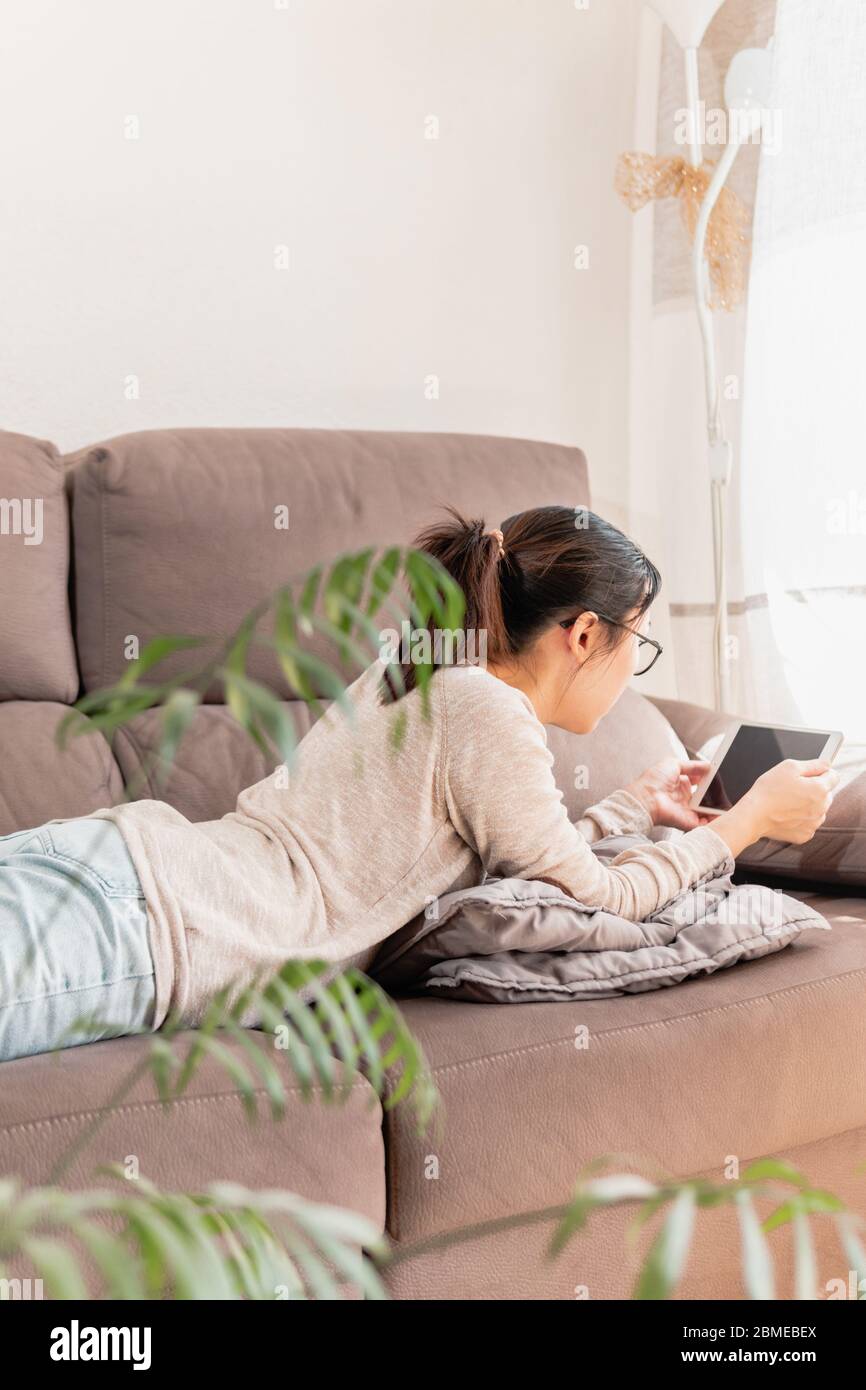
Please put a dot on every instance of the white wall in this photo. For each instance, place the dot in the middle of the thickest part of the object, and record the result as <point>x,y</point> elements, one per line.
<point>302,123</point>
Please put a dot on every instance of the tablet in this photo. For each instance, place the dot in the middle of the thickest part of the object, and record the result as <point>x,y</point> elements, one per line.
<point>749,749</point>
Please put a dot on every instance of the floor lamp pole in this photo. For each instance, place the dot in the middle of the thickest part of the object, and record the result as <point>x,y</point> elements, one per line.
<point>719,449</point>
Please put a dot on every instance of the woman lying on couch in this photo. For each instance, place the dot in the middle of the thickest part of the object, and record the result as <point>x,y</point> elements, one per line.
<point>134,913</point>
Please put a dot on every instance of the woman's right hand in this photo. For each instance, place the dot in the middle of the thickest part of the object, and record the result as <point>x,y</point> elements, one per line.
<point>791,800</point>
<point>786,803</point>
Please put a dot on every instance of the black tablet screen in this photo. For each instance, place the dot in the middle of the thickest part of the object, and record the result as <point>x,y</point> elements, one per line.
<point>752,752</point>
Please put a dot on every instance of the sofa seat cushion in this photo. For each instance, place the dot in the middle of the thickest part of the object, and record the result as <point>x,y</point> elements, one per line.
<point>325,1152</point>
<point>41,781</point>
<point>754,1060</point>
<point>603,1261</point>
<point>37,656</point>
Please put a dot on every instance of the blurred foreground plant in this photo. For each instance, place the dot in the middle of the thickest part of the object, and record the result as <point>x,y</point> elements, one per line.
<point>681,1202</point>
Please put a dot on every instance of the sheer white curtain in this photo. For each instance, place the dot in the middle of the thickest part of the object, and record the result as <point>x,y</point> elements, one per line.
<point>801,637</point>
<point>793,363</point>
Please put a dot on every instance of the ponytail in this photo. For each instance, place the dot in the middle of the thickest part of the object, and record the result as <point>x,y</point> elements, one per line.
<point>471,555</point>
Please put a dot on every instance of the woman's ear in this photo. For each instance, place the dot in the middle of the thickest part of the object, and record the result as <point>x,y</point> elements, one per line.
<point>582,635</point>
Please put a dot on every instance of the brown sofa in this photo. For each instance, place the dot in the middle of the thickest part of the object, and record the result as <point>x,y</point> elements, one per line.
<point>173,531</point>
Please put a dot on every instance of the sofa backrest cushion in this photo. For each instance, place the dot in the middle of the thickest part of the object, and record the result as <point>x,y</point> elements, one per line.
<point>629,739</point>
<point>217,759</point>
<point>37,655</point>
<point>214,762</point>
<point>40,781</point>
<point>182,531</point>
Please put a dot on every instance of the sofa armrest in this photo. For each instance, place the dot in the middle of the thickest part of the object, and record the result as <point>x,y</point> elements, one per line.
<point>836,854</point>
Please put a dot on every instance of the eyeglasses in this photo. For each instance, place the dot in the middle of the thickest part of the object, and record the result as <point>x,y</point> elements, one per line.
<point>647,651</point>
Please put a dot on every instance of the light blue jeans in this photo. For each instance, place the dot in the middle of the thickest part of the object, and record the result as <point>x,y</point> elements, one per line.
<point>75,960</point>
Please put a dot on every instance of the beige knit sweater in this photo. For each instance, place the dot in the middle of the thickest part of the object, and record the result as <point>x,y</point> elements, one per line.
<point>329,860</point>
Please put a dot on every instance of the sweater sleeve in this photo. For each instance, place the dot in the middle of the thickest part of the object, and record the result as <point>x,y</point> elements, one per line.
<point>503,800</point>
<point>618,814</point>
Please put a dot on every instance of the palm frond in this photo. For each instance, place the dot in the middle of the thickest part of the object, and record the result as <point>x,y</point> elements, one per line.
<point>314,1025</point>
<point>680,1201</point>
<point>226,1242</point>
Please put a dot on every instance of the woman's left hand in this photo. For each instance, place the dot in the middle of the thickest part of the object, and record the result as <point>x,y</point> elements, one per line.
<point>666,789</point>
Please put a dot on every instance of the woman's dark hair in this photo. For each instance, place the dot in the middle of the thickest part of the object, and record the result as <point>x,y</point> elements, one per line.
<point>556,563</point>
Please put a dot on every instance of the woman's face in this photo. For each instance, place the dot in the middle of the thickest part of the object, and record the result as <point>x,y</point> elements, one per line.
<point>603,670</point>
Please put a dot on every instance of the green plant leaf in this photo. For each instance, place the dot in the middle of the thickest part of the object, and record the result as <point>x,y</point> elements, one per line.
<point>852,1245</point>
<point>575,1219</point>
<point>666,1261</point>
<point>226,1242</point>
<point>805,1270</point>
<point>300,1019</point>
<point>315,1276</point>
<point>155,652</point>
<point>106,711</point>
<point>757,1261</point>
<point>310,591</point>
<point>164,1063</point>
<point>263,716</point>
<point>177,714</point>
<point>344,637</point>
<point>608,1190</point>
<point>261,1063</point>
<point>809,1200</point>
<point>298,1056</point>
<point>764,1168</point>
<point>213,1047</point>
<point>353,1265</point>
<point>404,1065</point>
<point>383,579</point>
<point>121,1271</point>
<point>195,1225</point>
<point>236,658</point>
<point>241,1252</point>
<point>353,1000</point>
<point>171,1265</point>
<point>398,730</point>
<point>287,649</point>
<point>336,1023</point>
<point>56,1264</point>
<point>345,584</point>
